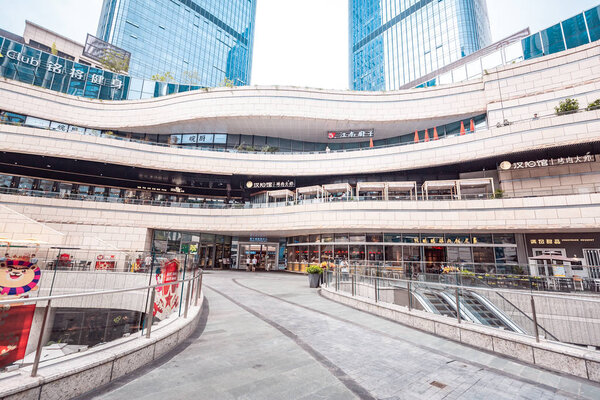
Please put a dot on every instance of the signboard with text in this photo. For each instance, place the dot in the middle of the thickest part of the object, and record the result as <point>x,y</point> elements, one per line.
<point>547,162</point>
<point>358,134</point>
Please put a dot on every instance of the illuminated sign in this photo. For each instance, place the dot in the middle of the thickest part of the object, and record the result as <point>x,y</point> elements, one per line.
<point>364,133</point>
<point>547,162</point>
<point>285,184</point>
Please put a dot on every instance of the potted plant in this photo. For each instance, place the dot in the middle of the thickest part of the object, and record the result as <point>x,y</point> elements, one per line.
<point>567,106</point>
<point>314,275</point>
<point>594,105</point>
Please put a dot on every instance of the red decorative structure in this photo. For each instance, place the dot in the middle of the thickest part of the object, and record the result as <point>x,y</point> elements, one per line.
<point>416,137</point>
<point>462,128</point>
<point>472,126</point>
<point>435,135</point>
<point>371,142</point>
<point>426,135</point>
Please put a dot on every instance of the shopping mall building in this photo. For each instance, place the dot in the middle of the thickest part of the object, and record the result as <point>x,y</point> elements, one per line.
<point>481,172</point>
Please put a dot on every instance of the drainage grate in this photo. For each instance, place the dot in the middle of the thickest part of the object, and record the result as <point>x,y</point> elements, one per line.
<point>438,384</point>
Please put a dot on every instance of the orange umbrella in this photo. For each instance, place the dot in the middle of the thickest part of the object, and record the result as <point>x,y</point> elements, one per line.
<point>371,142</point>
<point>472,125</point>
<point>435,135</point>
<point>462,128</point>
<point>426,136</point>
<point>416,137</point>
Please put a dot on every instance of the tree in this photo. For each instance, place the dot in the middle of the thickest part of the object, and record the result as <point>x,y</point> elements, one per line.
<point>227,83</point>
<point>54,50</point>
<point>166,77</point>
<point>114,61</point>
<point>191,77</point>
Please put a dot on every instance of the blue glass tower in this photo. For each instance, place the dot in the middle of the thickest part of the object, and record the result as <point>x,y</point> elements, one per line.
<point>200,42</point>
<point>394,42</point>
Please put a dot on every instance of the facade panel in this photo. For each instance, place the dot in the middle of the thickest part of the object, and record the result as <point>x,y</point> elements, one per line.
<point>393,42</point>
<point>200,42</point>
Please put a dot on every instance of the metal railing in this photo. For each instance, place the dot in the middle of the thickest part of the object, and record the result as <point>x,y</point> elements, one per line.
<point>148,303</point>
<point>194,204</point>
<point>571,319</point>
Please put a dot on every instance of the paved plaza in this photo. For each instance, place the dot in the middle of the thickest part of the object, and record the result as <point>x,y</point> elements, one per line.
<point>268,336</point>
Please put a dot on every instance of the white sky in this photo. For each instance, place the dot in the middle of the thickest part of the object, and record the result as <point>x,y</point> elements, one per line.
<point>299,43</point>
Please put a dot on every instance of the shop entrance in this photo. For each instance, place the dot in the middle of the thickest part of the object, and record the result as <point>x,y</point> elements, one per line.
<point>265,255</point>
<point>434,257</point>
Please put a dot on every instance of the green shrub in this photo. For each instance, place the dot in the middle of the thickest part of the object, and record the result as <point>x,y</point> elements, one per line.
<point>314,269</point>
<point>567,105</point>
<point>594,106</point>
<point>498,194</point>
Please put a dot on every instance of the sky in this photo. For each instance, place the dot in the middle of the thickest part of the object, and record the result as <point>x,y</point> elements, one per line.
<point>298,43</point>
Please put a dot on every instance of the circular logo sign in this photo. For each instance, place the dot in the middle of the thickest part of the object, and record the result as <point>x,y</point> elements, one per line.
<point>505,165</point>
<point>249,184</point>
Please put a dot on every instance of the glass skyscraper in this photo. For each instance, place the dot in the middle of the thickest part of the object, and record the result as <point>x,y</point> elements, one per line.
<point>393,42</point>
<point>200,42</point>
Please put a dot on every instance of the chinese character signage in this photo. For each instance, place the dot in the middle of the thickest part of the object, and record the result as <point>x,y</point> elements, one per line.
<point>547,162</point>
<point>96,49</point>
<point>281,184</point>
<point>35,67</point>
<point>364,133</point>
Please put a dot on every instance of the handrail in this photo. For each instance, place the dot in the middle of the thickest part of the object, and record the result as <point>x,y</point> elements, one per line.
<point>86,294</point>
<point>493,290</point>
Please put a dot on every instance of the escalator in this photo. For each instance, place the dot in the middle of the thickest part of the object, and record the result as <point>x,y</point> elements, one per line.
<point>473,307</point>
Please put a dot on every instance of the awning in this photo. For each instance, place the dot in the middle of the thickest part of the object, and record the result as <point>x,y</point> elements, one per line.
<point>476,182</point>
<point>280,194</point>
<point>437,185</point>
<point>310,190</point>
<point>402,186</point>
<point>370,186</point>
<point>337,188</point>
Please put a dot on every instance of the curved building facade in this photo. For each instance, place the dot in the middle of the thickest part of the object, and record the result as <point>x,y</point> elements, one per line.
<point>482,173</point>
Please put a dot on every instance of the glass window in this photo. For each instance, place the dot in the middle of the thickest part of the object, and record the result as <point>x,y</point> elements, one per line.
<point>483,255</point>
<point>432,238</point>
<point>45,185</point>
<point>392,237</point>
<point>314,254</point>
<point>341,237</point>
<point>357,237</point>
<point>446,78</point>
<point>37,122</point>
<point>220,138</point>
<point>65,189</point>
<point>506,255</point>
<point>25,183</point>
<point>532,46</point>
<point>303,254</point>
<point>303,239</point>
<point>593,22</point>
<point>175,139</point>
<point>114,193</point>
<point>327,237</point>
<point>481,238</point>
<point>491,60</point>
<point>552,39</point>
<point>189,139</point>
<point>374,237</point>
<point>474,69</point>
<point>575,31</point>
<point>410,238</point>
<point>504,238</point>
<point>393,254</point>
<point>5,181</point>
<point>314,238</point>
<point>205,138</point>
<point>458,238</point>
<point>357,252</point>
<point>341,253</point>
<point>374,252</point>
<point>459,254</point>
<point>83,189</point>
<point>459,74</point>
<point>513,52</point>
<point>327,253</point>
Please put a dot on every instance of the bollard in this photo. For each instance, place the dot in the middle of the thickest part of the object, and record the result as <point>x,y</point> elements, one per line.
<point>150,315</point>
<point>535,323</point>
<point>40,344</point>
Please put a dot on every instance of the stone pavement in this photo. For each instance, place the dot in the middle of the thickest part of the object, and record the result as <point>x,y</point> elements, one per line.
<point>268,336</point>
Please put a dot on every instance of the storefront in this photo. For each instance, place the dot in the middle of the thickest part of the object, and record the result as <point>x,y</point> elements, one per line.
<point>407,252</point>
<point>259,253</point>
<point>208,250</point>
<point>564,254</point>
